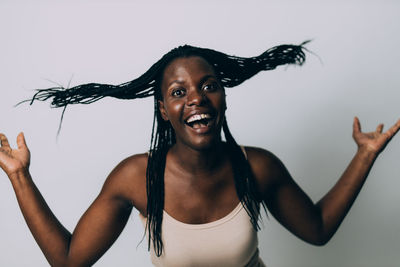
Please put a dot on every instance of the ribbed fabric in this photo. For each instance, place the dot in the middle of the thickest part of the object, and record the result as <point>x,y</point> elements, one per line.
<point>230,241</point>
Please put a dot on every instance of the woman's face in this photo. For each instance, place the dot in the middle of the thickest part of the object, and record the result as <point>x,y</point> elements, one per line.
<point>193,102</point>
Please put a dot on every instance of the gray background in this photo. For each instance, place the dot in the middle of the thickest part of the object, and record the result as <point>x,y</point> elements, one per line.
<point>303,115</point>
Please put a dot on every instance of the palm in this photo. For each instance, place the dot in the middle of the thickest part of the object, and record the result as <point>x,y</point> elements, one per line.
<point>14,160</point>
<point>373,141</point>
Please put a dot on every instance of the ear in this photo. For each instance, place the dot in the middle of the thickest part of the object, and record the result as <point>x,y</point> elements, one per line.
<point>163,112</point>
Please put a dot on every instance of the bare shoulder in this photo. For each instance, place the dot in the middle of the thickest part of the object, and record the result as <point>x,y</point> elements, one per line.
<point>128,181</point>
<point>266,167</point>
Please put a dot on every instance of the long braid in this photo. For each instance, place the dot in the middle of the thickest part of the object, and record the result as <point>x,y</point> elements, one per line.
<point>230,70</point>
<point>162,139</point>
<point>244,180</point>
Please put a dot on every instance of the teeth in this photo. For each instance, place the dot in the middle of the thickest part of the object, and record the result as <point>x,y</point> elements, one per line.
<point>198,117</point>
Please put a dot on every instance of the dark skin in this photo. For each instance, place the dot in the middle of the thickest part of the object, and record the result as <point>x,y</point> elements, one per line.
<point>199,186</point>
<point>198,170</point>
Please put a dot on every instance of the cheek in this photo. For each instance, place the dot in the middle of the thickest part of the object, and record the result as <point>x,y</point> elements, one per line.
<point>220,100</point>
<point>174,110</point>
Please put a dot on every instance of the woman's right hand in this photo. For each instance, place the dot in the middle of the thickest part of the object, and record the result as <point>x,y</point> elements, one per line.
<point>13,161</point>
<point>100,225</point>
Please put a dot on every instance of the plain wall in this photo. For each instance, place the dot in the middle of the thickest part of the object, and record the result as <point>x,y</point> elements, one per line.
<point>302,114</point>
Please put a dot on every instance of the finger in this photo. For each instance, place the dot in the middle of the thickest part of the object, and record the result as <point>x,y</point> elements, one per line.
<point>379,129</point>
<point>21,143</point>
<point>356,125</point>
<point>393,130</point>
<point>4,141</point>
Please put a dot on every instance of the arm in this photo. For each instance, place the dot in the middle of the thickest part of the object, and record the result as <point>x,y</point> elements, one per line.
<point>317,223</point>
<point>97,229</point>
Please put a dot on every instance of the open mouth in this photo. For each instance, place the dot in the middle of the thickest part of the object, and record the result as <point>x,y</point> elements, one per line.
<point>198,121</point>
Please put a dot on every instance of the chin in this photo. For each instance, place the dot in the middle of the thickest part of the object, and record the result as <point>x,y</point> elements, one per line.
<point>205,143</point>
<point>200,141</point>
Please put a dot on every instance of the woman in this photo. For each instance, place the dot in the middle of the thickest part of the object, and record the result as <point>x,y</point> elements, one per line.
<point>198,195</point>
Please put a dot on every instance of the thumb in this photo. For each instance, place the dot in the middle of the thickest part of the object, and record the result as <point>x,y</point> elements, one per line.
<point>356,125</point>
<point>21,140</point>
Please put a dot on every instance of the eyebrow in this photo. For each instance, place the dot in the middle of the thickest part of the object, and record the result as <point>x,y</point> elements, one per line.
<point>175,81</point>
<point>204,79</point>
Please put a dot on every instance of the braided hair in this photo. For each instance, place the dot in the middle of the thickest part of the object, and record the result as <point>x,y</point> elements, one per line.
<point>231,71</point>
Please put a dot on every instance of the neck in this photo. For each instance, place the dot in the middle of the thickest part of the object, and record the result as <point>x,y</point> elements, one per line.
<point>198,162</point>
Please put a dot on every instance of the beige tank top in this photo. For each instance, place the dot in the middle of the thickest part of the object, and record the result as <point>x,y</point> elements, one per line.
<point>230,241</point>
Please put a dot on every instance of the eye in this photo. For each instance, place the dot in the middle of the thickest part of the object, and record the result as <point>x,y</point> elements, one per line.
<point>211,87</point>
<point>178,92</point>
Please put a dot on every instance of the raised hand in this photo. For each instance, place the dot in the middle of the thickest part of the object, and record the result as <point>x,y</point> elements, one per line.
<point>376,141</point>
<point>14,160</point>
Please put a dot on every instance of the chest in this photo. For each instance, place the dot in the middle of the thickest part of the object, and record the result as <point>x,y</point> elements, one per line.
<point>194,202</point>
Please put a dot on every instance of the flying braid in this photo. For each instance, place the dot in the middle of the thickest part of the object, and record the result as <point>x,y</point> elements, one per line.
<point>230,70</point>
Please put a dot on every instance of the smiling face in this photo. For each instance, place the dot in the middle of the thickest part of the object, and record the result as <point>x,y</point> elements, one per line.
<point>193,102</point>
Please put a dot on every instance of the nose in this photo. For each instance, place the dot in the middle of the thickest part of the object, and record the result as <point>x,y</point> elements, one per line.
<point>195,97</point>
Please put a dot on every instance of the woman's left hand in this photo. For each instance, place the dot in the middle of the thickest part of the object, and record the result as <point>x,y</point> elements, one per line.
<point>376,141</point>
